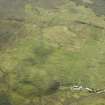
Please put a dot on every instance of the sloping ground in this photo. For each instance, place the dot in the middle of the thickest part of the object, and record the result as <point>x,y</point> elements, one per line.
<point>15,8</point>
<point>64,44</point>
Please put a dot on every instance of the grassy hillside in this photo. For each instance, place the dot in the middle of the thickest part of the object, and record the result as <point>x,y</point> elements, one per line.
<point>64,44</point>
<point>15,8</point>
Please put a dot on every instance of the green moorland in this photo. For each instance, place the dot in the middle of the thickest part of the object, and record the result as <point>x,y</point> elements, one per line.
<point>66,44</point>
